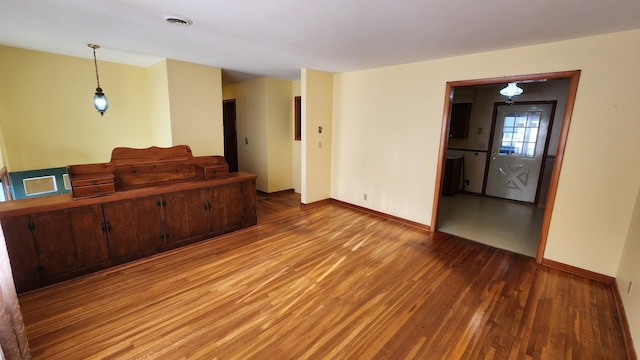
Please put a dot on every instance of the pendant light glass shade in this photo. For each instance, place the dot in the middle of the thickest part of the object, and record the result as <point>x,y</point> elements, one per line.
<point>99,99</point>
<point>511,90</point>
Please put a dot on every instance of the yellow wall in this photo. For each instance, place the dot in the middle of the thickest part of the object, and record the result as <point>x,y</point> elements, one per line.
<point>48,119</point>
<point>158,91</point>
<point>251,127</point>
<point>387,125</point>
<point>279,134</point>
<point>317,102</point>
<point>264,118</point>
<point>195,96</point>
<point>629,270</point>
<point>295,175</point>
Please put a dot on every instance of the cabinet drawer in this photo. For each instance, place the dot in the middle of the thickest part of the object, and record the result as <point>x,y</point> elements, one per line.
<point>92,180</point>
<point>93,190</point>
<point>215,172</point>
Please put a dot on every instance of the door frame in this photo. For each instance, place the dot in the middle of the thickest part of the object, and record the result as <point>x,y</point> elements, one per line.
<point>496,106</point>
<point>574,77</point>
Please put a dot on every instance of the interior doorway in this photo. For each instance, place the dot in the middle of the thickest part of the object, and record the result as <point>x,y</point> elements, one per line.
<point>230,134</point>
<point>572,78</point>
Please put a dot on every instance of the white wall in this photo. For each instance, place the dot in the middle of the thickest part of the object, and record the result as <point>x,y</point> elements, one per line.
<point>387,125</point>
<point>629,271</point>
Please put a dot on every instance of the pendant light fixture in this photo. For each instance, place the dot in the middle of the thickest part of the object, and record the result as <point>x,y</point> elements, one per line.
<point>510,91</point>
<point>99,99</point>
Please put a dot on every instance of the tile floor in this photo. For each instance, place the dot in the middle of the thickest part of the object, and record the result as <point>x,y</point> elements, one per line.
<point>499,223</point>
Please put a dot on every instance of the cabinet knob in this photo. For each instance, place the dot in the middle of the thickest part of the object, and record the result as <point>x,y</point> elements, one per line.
<point>95,189</point>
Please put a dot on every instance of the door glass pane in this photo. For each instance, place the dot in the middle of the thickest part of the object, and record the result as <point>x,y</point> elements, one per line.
<point>520,133</point>
<point>509,120</point>
<point>534,119</point>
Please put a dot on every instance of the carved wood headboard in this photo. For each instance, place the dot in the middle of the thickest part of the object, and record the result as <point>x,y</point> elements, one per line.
<point>131,168</point>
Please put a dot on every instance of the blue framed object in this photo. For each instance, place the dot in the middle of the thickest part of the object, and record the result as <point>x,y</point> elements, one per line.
<point>59,186</point>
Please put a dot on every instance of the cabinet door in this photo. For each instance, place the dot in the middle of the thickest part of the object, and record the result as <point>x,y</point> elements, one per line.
<point>234,203</point>
<point>197,212</point>
<point>176,218</point>
<point>216,206</point>
<point>54,243</point>
<point>249,195</point>
<point>89,235</point>
<point>149,229</point>
<point>121,229</point>
<point>22,252</point>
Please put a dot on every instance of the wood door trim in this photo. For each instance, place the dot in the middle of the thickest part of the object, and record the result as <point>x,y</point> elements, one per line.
<point>574,77</point>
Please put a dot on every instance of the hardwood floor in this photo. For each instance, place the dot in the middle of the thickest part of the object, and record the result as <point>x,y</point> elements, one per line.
<point>326,282</point>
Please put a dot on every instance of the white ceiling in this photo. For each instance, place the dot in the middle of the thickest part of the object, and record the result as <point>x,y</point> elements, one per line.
<point>250,38</point>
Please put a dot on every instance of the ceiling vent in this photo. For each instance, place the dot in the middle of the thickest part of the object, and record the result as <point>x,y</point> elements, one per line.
<point>180,21</point>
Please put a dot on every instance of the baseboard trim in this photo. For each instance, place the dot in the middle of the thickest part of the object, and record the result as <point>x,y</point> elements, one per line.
<point>316,204</point>
<point>276,193</point>
<point>624,323</point>
<point>578,271</point>
<point>417,225</point>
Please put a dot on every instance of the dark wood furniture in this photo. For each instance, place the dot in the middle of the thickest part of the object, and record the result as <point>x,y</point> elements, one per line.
<point>142,202</point>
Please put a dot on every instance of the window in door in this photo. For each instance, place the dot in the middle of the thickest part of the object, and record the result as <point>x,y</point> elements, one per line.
<point>519,133</point>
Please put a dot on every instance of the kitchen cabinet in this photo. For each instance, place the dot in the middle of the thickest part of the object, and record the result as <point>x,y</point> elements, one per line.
<point>452,175</point>
<point>460,117</point>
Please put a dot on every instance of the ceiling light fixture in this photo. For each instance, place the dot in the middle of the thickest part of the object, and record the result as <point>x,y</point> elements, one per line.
<point>180,21</point>
<point>510,91</point>
<point>99,99</point>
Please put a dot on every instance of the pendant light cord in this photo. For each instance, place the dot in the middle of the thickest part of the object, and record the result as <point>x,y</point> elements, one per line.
<point>95,62</point>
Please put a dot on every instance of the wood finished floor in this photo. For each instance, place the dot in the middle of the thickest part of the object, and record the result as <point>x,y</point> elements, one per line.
<point>326,282</point>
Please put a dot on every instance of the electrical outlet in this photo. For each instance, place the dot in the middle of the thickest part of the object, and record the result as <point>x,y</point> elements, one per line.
<point>466,182</point>
<point>365,197</point>
<point>629,288</point>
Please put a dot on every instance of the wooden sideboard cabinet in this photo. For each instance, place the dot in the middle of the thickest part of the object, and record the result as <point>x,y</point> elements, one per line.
<point>60,237</point>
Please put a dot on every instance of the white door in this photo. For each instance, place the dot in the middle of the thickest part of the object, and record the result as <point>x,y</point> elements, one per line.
<point>518,147</point>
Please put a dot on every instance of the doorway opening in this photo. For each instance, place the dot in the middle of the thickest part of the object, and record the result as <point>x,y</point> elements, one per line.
<point>230,134</point>
<point>506,145</point>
